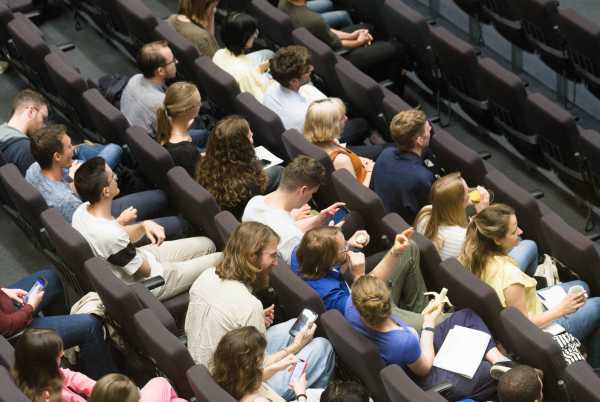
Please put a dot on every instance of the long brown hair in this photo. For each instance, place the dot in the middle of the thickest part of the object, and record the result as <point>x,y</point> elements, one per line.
<point>229,170</point>
<point>180,100</point>
<point>115,387</point>
<point>241,257</point>
<point>485,228</point>
<point>317,252</point>
<point>236,363</point>
<point>36,369</point>
<point>195,10</point>
<point>372,299</point>
<point>447,207</point>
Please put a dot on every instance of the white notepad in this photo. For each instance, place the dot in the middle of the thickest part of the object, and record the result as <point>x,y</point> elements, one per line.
<point>552,297</point>
<point>264,153</point>
<point>462,351</point>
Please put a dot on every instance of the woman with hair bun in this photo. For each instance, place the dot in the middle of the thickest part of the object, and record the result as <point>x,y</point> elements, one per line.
<point>369,312</point>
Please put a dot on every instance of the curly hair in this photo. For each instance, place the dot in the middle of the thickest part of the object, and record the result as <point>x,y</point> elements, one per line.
<point>289,63</point>
<point>236,363</point>
<point>241,257</point>
<point>229,170</point>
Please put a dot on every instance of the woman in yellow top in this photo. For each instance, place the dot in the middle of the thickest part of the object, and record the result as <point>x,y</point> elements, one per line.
<point>489,235</point>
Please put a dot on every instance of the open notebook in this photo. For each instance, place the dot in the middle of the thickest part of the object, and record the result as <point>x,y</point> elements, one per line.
<point>462,351</point>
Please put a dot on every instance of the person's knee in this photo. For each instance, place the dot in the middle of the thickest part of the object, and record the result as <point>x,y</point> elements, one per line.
<point>202,244</point>
<point>321,347</point>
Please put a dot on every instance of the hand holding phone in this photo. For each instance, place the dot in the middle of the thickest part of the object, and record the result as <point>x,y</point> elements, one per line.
<point>298,377</point>
<point>35,294</point>
<point>307,316</point>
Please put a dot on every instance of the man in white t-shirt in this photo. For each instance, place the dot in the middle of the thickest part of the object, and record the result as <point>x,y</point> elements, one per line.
<point>179,262</point>
<point>221,300</point>
<point>285,210</point>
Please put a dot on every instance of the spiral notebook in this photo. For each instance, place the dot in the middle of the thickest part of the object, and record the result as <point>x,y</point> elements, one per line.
<point>462,351</point>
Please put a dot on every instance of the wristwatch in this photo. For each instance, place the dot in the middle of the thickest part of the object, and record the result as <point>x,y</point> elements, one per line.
<point>431,329</point>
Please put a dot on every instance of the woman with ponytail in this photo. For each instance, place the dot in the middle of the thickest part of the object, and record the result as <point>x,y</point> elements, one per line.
<point>370,313</point>
<point>493,232</point>
<point>173,119</point>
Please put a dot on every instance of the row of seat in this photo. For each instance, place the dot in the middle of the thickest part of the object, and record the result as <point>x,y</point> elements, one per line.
<point>564,39</point>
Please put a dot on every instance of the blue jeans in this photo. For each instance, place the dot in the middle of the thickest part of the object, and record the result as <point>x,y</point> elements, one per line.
<point>526,255</point>
<point>334,18</point>
<point>111,153</point>
<point>318,354</point>
<point>83,330</point>
<point>584,324</point>
<point>151,204</point>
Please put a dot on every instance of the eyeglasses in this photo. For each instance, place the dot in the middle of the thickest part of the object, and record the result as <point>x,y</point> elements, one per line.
<point>174,61</point>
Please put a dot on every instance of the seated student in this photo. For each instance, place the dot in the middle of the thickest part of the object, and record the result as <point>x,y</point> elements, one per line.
<point>323,258</point>
<point>30,113</point>
<point>229,169</point>
<point>521,384</point>
<point>221,300</point>
<point>400,176</point>
<point>145,92</point>
<point>444,222</point>
<point>490,234</point>
<point>238,34</point>
<point>241,367</point>
<point>364,52</point>
<point>195,20</point>
<point>345,391</point>
<point>323,126</point>
<point>83,330</point>
<point>117,387</point>
<point>370,313</point>
<point>179,262</point>
<point>52,176</point>
<point>38,374</point>
<point>334,18</point>
<point>173,118</point>
<point>285,210</point>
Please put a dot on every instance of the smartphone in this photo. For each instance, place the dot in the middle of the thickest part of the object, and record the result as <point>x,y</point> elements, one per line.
<point>339,215</point>
<point>38,286</point>
<point>305,316</point>
<point>298,370</point>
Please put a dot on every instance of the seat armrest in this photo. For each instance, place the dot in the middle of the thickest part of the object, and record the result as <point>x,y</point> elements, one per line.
<point>153,283</point>
<point>441,388</point>
<point>149,301</point>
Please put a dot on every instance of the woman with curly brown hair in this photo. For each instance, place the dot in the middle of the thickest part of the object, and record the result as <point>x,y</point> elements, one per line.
<point>239,366</point>
<point>230,171</point>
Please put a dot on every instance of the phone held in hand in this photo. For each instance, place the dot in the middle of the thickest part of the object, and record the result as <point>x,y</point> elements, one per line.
<point>298,370</point>
<point>305,316</point>
<point>38,286</point>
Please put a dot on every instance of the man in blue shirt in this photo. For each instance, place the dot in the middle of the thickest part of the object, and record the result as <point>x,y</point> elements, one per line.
<point>400,177</point>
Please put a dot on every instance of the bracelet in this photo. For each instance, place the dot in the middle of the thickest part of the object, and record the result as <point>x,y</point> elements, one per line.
<point>430,329</point>
<point>301,395</point>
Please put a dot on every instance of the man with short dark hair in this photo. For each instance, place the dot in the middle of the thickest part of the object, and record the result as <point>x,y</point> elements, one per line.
<point>145,92</point>
<point>179,262</point>
<point>30,113</point>
<point>300,180</point>
<point>52,175</point>
<point>400,176</point>
<point>520,384</point>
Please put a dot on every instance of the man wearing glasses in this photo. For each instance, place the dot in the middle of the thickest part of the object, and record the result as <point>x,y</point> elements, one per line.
<point>145,92</point>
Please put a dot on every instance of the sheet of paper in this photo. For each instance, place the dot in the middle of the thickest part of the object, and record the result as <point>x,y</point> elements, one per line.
<point>551,297</point>
<point>263,153</point>
<point>554,329</point>
<point>462,351</point>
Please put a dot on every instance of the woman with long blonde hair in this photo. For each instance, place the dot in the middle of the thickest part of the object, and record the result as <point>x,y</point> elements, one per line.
<point>323,126</point>
<point>490,235</point>
<point>173,119</point>
<point>195,20</point>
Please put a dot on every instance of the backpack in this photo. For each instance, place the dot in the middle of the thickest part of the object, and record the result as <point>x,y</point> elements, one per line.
<point>111,86</point>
